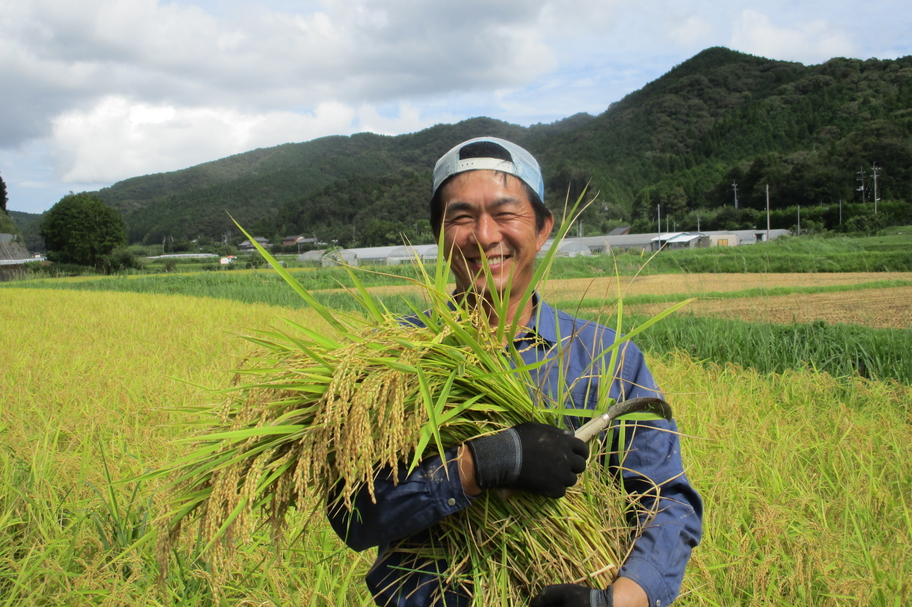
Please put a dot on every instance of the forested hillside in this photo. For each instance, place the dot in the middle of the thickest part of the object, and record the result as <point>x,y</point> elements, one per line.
<point>812,133</point>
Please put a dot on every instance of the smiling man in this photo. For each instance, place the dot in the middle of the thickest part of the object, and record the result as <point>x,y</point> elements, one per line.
<point>488,200</point>
<point>490,213</point>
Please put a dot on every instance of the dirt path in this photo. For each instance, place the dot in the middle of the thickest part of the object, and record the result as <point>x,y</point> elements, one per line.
<point>889,308</point>
<point>579,288</point>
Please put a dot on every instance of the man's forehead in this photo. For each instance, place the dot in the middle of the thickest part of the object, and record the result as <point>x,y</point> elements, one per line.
<point>477,182</point>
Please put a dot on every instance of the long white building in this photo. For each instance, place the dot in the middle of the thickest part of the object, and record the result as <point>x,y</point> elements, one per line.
<point>569,247</point>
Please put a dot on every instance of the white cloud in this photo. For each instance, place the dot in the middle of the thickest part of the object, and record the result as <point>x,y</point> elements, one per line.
<point>690,30</point>
<point>812,41</point>
<point>118,139</point>
<point>408,120</point>
<point>353,52</point>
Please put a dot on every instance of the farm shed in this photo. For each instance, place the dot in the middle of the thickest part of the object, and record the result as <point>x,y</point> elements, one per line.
<point>570,247</point>
<point>312,258</point>
<point>184,256</point>
<point>734,238</point>
<point>602,245</point>
<point>371,255</point>
<point>679,240</point>
<point>335,257</point>
<point>407,254</point>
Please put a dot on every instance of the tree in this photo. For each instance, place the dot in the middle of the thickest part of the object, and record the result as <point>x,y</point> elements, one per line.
<point>3,198</point>
<point>81,229</point>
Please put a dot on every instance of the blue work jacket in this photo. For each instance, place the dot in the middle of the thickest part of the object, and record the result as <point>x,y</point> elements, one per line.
<point>652,457</point>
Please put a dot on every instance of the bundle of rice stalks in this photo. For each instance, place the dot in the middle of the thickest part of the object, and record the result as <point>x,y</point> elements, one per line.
<point>319,416</point>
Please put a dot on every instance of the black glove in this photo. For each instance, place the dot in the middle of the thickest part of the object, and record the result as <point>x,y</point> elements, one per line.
<point>531,457</point>
<point>573,595</point>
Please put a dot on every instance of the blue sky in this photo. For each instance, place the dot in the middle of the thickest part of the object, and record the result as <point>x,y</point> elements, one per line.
<point>97,91</point>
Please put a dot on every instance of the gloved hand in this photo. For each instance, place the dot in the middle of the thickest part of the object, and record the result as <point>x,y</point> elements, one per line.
<point>531,457</point>
<point>573,595</point>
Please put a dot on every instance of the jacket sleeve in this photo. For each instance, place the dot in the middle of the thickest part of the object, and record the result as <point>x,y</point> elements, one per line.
<point>669,510</point>
<point>420,499</point>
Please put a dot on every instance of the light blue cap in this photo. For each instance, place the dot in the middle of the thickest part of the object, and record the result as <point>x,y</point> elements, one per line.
<point>522,164</point>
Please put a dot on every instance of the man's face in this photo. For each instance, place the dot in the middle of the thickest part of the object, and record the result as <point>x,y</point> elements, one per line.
<point>488,214</point>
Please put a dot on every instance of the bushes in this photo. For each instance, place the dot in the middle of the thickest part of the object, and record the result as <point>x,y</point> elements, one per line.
<point>120,260</point>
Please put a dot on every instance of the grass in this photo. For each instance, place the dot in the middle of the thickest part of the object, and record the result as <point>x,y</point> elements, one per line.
<point>651,298</point>
<point>838,350</point>
<point>805,476</point>
<point>253,286</point>
<point>806,482</point>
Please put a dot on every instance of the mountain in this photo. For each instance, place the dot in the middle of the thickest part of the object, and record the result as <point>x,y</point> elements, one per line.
<point>29,225</point>
<point>680,142</point>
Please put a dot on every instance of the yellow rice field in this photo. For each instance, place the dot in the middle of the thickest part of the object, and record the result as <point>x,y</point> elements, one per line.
<point>695,284</point>
<point>805,477</point>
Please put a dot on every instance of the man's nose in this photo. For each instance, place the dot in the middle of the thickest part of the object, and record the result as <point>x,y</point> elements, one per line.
<point>486,232</point>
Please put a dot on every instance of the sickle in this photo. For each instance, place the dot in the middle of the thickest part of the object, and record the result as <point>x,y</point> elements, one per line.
<point>645,404</point>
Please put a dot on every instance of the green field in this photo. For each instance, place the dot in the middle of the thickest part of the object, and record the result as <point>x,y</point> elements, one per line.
<point>804,472</point>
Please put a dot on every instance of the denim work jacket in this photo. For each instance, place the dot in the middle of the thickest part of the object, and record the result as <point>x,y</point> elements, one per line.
<point>433,490</point>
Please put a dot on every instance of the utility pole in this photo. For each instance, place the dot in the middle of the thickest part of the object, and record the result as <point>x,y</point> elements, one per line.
<point>667,217</point>
<point>767,212</point>
<point>735,188</point>
<point>840,211</point>
<point>698,223</point>
<point>659,215</point>
<point>874,169</point>
<point>861,188</point>
<point>799,220</point>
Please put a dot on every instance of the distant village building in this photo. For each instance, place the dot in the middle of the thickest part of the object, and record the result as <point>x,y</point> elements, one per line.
<point>247,246</point>
<point>290,241</point>
<point>680,240</point>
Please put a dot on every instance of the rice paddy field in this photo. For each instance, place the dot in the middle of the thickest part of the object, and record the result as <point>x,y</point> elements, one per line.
<point>802,461</point>
<point>886,309</point>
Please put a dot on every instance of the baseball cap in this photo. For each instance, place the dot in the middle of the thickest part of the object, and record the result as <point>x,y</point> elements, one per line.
<point>521,164</point>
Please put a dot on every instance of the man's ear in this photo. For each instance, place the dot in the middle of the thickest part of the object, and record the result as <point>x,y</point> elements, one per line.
<point>545,232</point>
